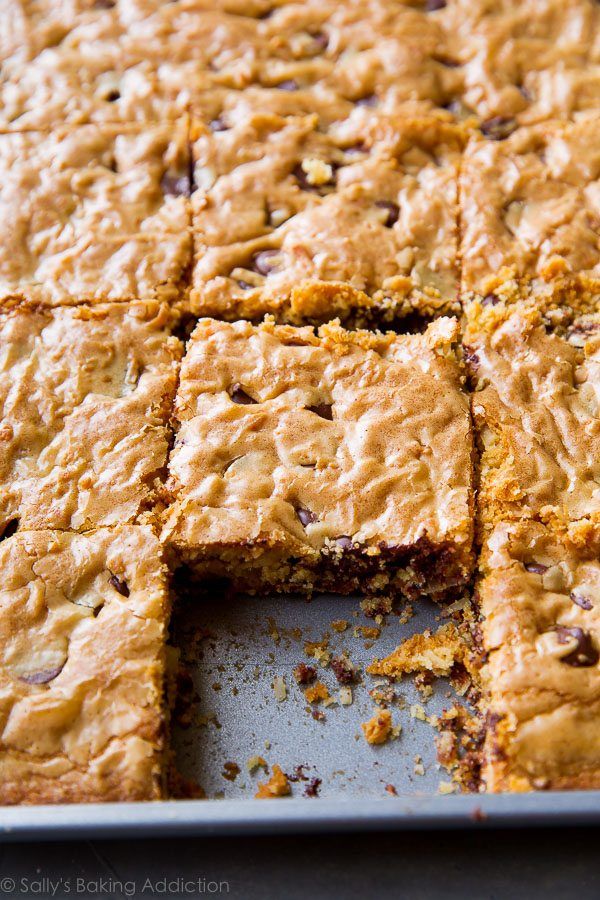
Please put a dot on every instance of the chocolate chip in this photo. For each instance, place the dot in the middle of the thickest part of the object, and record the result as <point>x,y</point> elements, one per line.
<point>113,96</point>
<point>239,395</point>
<point>536,568</point>
<point>304,674</point>
<point>345,542</point>
<point>174,185</point>
<point>584,654</point>
<point>312,788</point>
<point>218,125</point>
<point>471,357</point>
<point>262,262</point>
<point>434,5</point>
<point>245,285</point>
<point>288,85</point>
<point>9,529</point>
<point>523,91</point>
<point>342,669</point>
<point>393,211</point>
<point>43,676</point>
<point>118,584</point>
<point>581,601</point>
<point>322,409</point>
<point>357,149</point>
<point>321,39</point>
<point>498,128</point>
<point>104,4</point>
<point>367,100</point>
<point>229,464</point>
<point>306,516</point>
<point>446,61</point>
<point>490,300</point>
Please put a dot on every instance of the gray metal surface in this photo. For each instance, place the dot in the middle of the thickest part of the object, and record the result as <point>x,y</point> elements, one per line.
<point>254,641</point>
<point>234,649</point>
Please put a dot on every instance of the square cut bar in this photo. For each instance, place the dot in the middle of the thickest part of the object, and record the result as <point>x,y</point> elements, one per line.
<point>536,408</point>
<point>101,83</point>
<point>530,208</point>
<point>335,461</point>
<point>83,623</point>
<point>85,398</point>
<point>541,631</point>
<point>365,51</point>
<point>94,214</point>
<point>307,219</point>
<point>525,62</point>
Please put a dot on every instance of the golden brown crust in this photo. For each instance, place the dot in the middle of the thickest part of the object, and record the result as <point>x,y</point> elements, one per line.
<point>529,207</point>
<point>526,62</point>
<point>535,408</point>
<point>287,445</point>
<point>94,214</point>
<point>289,203</point>
<point>85,400</point>
<point>541,630</point>
<point>82,633</point>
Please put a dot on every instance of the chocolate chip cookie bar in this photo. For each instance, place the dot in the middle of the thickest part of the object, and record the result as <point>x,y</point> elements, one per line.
<point>537,387</point>
<point>94,214</point>
<point>85,400</point>
<point>365,51</point>
<point>307,218</point>
<point>82,666</point>
<point>541,631</point>
<point>335,461</point>
<point>530,210</point>
<point>525,62</point>
<point>100,84</point>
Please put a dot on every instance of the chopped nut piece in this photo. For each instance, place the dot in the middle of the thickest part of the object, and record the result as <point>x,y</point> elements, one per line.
<point>419,768</point>
<point>317,171</point>
<point>279,688</point>
<point>346,696</point>
<point>446,787</point>
<point>417,712</point>
<point>256,762</point>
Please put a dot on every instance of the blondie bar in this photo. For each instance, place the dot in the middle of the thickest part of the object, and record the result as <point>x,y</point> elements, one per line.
<point>85,398</point>
<point>541,631</point>
<point>530,210</point>
<point>334,461</point>
<point>525,62</point>
<point>308,218</point>
<point>94,214</point>
<point>537,387</point>
<point>82,666</point>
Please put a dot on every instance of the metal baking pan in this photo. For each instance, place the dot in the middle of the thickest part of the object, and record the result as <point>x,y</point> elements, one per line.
<point>234,649</point>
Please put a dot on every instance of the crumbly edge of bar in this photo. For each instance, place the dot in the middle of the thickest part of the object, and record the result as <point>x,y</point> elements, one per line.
<point>422,569</point>
<point>315,302</point>
<point>557,311</point>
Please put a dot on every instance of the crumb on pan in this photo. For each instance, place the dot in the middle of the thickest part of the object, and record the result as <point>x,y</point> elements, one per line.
<point>378,729</point>
<point>277,785</point>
